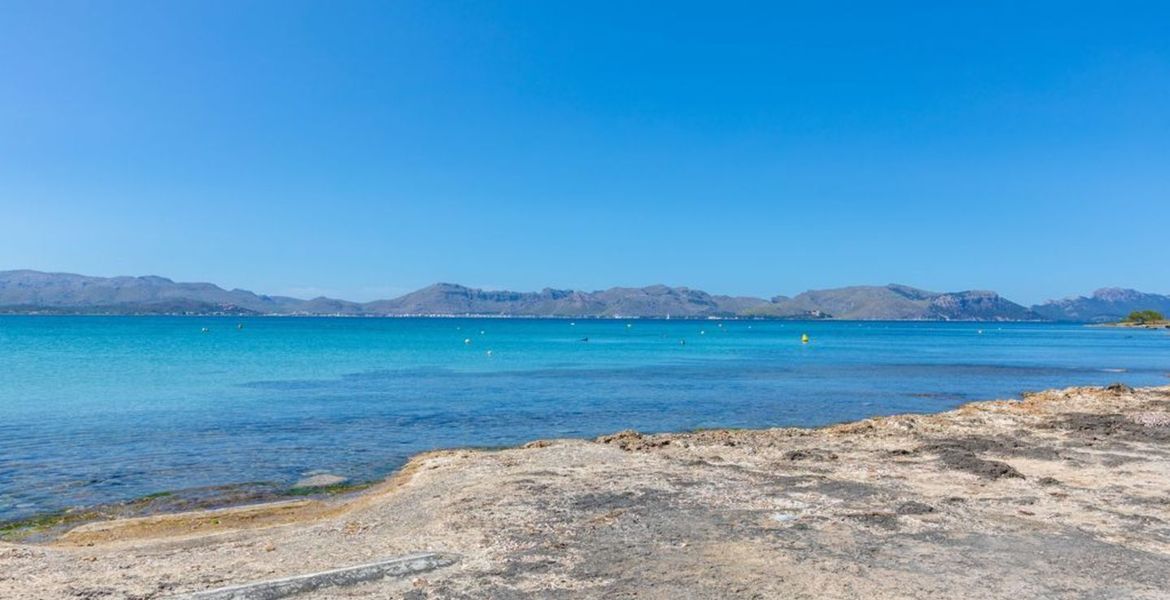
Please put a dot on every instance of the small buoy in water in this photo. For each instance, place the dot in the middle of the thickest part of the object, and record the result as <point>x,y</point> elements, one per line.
<point>702,332</point>
<point>628,325</point>
<point>489,353</point>
<point>804,338</point>
<point>572,323</point>
<point>682,342</point>
<point>467,341</point>
<point>481,332</point>
<point>980,332</point>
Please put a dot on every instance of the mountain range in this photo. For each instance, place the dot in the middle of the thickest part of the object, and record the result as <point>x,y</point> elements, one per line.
<point>1104,305</point>
<point>896,303</point>
<point>35,292</point>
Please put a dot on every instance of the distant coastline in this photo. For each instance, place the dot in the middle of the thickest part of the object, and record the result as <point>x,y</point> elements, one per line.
<point>27,292</point>
<point>226,315</point>
<point>1123,324</point>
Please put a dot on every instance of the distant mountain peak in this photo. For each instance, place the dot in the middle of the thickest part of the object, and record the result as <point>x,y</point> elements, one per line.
<point>1115,294</point>
<point>910,292</point>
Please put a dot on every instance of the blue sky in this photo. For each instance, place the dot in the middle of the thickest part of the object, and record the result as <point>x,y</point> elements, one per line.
<point>365,149</point>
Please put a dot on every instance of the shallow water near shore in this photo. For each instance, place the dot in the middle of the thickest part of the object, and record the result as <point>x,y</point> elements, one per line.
<point>96,410</point>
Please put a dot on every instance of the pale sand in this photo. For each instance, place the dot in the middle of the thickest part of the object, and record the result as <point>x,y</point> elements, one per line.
<point>1063,495</point>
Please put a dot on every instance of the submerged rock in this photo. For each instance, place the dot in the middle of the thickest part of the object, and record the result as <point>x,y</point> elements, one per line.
<point>320,480</point>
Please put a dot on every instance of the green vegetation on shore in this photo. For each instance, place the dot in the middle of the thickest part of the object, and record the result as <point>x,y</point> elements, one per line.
<point>1144,317</point>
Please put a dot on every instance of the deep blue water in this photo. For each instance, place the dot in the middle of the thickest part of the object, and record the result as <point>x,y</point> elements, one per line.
<point>102,409</point>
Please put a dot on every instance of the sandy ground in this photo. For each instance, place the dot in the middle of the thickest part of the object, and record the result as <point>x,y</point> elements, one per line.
<point>1063,495</point>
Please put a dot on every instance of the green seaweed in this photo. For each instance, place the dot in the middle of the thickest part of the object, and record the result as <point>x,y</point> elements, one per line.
<point>20,530</point>
<point>327,490</point>
<point>154,496</point>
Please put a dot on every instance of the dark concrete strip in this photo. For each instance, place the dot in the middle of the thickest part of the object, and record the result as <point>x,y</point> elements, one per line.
<point>298,584</point>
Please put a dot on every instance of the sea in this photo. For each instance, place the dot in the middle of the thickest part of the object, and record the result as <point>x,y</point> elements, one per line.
<point>100,410</point>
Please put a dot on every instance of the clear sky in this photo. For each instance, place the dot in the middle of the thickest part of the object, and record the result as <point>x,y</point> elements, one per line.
<point>362,150</point>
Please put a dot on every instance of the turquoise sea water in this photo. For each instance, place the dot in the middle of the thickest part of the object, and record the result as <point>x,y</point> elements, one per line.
<point>103,409</point>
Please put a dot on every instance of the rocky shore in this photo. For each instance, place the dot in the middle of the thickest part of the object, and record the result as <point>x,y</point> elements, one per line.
<point>1142,325</point>
<point>1065,494</point>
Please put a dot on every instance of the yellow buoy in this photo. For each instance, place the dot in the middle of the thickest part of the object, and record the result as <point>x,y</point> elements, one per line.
<point>804,338</point>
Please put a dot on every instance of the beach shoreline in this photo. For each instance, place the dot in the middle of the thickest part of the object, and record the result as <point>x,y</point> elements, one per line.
<point>1035,493</point>
<point>296,502</point>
